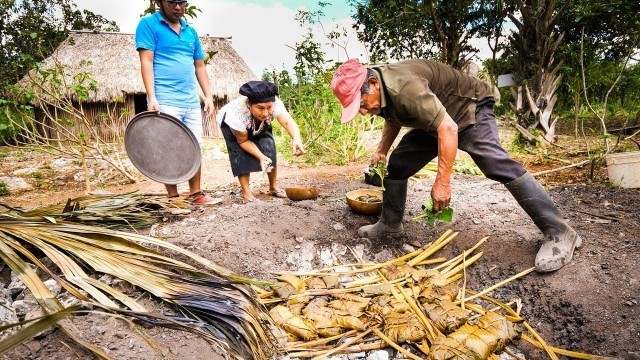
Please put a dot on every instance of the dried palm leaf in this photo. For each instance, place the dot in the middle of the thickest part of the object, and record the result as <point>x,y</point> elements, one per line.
<point>107,210</point>
<point>214,301</point>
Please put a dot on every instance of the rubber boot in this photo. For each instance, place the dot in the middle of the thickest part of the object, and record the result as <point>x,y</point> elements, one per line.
<point>557,251</point>
<point>394,198</point>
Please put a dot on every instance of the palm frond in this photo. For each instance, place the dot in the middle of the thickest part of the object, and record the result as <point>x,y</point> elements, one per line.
<point>209,297</point>
<point>133,210</point>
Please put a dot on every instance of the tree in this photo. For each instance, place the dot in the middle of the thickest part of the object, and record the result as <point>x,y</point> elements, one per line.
<point>533,46</point>
<point>403,29</point>
<point>36,29</point>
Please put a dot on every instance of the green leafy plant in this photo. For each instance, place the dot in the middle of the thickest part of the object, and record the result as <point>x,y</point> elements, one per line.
<point>379,169</point>
<point>4,189</point>
<point>466,167</point>
<point>443,215</point>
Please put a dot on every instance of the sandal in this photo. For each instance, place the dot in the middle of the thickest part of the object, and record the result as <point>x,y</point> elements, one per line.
<point>253,199</point>
<point>278,193</point>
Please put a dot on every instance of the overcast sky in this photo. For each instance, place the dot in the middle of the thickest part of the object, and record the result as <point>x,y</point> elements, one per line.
<point>260,29</point>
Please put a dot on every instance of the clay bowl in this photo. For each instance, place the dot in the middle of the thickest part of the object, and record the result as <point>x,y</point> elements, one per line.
<point>301,193</point>
<point>361,207</point>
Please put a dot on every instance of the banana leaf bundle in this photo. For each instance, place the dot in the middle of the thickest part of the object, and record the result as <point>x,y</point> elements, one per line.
<point>489,335</point>
<point>413,303</point>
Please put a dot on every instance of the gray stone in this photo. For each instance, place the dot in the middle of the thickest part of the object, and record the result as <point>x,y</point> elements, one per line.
<point>338,227</point>
<point>23,307</point>
<point>98,329</point>
<point>338,249</point>
<point>326,258</point>
<point>7,314</point>
<point>15,183</point>
<point>379,355</point>
<point>24,171</point>
<point>63,164</point>
<point>15,286</point>
<point>383,256</point>
<point>53,286</point>
<point>303,257</point>
<point>408,248</point>
<point>80,175</point>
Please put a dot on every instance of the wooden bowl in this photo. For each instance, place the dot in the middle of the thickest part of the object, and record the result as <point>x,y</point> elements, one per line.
<point>301,193</point>
<point>361,207</point>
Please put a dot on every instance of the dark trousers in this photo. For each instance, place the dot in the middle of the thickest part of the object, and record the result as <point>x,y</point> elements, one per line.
<point>241,161</point>
<point>480,140</point>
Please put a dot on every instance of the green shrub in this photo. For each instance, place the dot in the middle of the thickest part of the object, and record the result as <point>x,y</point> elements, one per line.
<point>313,106</point>
<point>4,189</point>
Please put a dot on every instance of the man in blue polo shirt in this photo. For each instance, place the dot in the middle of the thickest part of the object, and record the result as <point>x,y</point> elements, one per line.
<point>171,60</point>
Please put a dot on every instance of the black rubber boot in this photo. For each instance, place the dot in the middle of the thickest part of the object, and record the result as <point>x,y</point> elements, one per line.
<point>557,251</point>
<point>394,198</point>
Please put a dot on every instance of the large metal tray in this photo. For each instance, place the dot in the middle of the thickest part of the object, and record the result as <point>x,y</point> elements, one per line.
<point>162,148</point>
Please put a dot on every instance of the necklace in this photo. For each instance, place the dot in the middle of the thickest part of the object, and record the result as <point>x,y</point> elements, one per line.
<point>253,127</point>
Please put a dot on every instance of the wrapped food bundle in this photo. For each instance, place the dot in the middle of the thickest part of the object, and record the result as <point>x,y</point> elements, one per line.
<point>489,335</point>
<point>402,303</point>
<point>403,327</point>
<point>294,325</point>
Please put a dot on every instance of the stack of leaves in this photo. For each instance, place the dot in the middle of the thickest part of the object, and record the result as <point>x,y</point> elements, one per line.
<point>413,304</point>
<point>134,210</point>
<point>212,301</point>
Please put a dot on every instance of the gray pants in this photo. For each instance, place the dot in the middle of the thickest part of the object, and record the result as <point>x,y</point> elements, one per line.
<point>480,140</point>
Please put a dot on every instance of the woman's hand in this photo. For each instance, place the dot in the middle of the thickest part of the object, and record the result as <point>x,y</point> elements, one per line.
<point>266,165</point>
<point>298,148</point>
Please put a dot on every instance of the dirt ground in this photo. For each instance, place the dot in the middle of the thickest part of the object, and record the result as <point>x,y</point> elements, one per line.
<point>590,305</point>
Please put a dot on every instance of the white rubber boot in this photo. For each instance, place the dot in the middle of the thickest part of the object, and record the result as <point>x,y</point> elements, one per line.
<point>562,240</point>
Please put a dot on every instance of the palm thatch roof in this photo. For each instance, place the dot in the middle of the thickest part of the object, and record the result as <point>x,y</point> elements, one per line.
<point>112,60</point>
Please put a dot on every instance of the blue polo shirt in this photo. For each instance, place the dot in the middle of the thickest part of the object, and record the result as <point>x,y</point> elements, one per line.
<point>174,71</point>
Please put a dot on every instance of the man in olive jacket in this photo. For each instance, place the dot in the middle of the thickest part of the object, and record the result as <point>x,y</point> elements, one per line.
<point>446,110</point>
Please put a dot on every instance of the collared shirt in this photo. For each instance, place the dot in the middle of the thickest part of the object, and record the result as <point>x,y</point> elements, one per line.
<point>174,54</point>
<point>417,94</point>
<point>238,116</point>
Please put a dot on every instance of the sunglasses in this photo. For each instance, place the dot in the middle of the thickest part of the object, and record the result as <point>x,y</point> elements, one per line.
<point>174,4</point>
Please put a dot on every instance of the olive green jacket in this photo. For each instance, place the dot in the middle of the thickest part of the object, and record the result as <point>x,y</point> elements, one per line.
<point>417,93</point>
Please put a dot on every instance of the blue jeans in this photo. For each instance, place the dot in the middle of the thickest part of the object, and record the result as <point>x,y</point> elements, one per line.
<point>191,117</point>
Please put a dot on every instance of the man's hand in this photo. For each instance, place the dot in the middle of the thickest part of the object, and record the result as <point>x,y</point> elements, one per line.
<point>208,108</point>
<point>441,195</point>
<point>153,105</point>
<point>377,157</point>
<point>298,148</point>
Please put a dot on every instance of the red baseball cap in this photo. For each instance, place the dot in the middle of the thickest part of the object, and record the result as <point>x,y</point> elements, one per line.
<point>346,84</point>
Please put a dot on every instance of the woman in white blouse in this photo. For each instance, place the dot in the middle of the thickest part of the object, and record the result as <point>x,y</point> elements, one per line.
<point>246,126</point>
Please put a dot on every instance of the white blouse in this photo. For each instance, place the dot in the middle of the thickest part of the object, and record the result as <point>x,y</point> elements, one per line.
<point>237,115</point>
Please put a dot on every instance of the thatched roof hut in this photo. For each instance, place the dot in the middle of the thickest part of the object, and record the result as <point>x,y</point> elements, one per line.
<point>112,60</point>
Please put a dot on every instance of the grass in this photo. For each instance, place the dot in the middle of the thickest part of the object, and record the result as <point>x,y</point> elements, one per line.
<point>4,189</point>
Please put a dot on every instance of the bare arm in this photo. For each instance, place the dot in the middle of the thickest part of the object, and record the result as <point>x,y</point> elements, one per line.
<point>390,132</point>
<point>203,80</point>
<point>146,69</point>
<point>447,149</point>
<point>250,147</point>
<point>292,128</point>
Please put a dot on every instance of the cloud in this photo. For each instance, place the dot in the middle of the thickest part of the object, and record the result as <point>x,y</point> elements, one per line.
<point>261,34</point>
